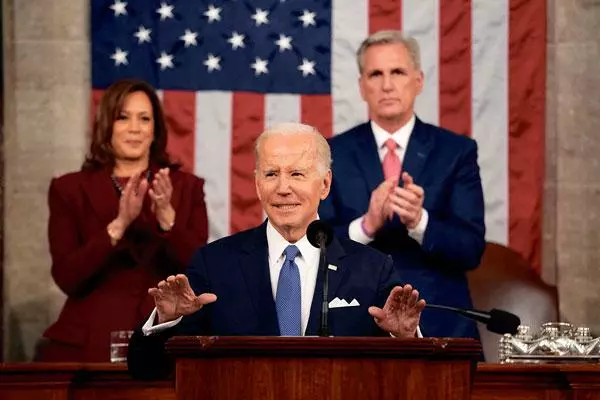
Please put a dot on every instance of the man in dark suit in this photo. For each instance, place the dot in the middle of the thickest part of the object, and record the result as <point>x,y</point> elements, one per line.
<point>265,281</point>
<point>407,188</point>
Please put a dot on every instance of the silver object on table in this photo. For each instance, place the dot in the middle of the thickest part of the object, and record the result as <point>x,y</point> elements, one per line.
<point>556,342</point>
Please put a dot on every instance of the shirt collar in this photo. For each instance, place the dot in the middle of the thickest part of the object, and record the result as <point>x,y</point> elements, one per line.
<point>277,245</point>
<point>401,136</point>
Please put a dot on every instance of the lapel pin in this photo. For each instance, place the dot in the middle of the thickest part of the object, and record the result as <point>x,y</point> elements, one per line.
<point>332,267</point>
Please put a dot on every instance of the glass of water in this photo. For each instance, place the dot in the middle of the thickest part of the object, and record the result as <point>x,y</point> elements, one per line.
<point>119,340</point>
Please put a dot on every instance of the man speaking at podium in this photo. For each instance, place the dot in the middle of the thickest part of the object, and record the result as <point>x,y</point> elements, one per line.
<point>265,281</point>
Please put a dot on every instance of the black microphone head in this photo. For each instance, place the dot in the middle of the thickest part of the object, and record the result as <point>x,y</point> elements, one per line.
<point>503,322</point>
<point>319,231</point>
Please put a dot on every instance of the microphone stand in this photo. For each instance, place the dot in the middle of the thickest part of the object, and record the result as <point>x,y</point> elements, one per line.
<point>474,314</point>
<point>324,331</point>
<point>497,321</point>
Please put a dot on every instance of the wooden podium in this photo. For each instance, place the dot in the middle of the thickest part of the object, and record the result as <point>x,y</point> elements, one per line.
<point>299,368</point>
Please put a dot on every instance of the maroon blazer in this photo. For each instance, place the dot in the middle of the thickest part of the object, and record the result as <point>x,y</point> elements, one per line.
<point>107,287</point>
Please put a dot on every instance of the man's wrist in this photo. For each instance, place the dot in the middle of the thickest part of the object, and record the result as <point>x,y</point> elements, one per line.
<point>418,232</point>
<point>401,335</point>
<point>366,228</point>
<point>417,220</point>
<point>165,319</point>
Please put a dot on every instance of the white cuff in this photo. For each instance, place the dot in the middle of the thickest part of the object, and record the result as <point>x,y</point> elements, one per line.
<point>418,232</point>
<point>149,329</point>
<point>356,232</point>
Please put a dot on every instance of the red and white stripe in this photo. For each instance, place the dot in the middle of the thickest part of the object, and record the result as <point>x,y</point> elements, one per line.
<point>484,64</point>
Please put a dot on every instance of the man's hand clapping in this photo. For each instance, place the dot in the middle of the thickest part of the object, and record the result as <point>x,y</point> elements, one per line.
<point>407,201</point>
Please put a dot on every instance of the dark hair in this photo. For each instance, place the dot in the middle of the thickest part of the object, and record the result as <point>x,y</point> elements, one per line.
<point>101,153</point>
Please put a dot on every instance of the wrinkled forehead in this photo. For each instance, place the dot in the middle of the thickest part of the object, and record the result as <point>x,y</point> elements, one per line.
<point>387,55</point>
<point>287,152</point>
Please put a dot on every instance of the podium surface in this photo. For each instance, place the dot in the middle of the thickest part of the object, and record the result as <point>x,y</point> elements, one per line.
<point>299,368</point>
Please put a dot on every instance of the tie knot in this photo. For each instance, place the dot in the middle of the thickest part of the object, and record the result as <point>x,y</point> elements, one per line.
<point>391,144</point>
<point>291,252</point>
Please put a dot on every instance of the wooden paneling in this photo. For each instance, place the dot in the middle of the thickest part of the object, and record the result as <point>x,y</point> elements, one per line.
<point>531,382</point>
<point>270,368</point>
<point>73,381</point>
<point>112,382</point>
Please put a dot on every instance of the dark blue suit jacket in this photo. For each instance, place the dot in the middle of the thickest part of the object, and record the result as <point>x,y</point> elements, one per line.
<point>236,269</point>
<point>445,165</point>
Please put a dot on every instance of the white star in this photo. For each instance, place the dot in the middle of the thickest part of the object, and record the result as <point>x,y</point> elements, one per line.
<point>189,38</point>
<point>119,8</point>
<point>213,13</point>
<point>261,17</point>
<point>165,60</point>
<point>120,57</point>
<point>284,43</point>
<point>307,67</point>
<point>165,11</point>
<point>212,63</point>
<point>143,34</point>
<point>236,40</point>
<point>260,66</point>
<point>308,18</point>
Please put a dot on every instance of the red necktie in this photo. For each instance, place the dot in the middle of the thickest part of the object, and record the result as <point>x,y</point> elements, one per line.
<point>391,162</point>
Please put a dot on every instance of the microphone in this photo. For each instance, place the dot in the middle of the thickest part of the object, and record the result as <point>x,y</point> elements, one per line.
<point>497,321</point>
<point>320,235</point>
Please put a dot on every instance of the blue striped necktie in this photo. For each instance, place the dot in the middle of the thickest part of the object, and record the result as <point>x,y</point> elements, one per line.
<point>288,300</point>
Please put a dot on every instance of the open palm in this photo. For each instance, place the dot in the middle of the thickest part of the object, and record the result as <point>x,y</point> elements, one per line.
<point>174,297</point>
<point>401,313</point>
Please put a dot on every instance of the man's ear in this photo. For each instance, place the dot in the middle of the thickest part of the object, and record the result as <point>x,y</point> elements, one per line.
<point>256,185</point>
<point>326,185</point>
<point>360,87</point>
<point>420,81</point>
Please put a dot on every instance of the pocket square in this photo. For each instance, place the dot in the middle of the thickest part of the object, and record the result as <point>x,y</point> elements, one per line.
<point>339,303</point>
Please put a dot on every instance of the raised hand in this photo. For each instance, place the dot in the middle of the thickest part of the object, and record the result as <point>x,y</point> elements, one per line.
<point>160,193</point>
<point>401,313</point>
<point>407,201</point>
<point>174,297</point>
<point>130,206</point>
<point>132,199</point>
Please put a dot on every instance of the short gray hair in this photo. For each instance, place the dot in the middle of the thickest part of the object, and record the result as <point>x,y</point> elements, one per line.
<point>295,128</point>
<point>390,37</point>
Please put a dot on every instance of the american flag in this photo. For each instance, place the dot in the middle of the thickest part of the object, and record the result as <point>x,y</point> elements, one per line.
<point>226,69</point>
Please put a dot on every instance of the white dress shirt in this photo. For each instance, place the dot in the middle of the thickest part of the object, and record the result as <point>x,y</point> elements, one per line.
<point>401,136</point>
<point>307,261</point>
